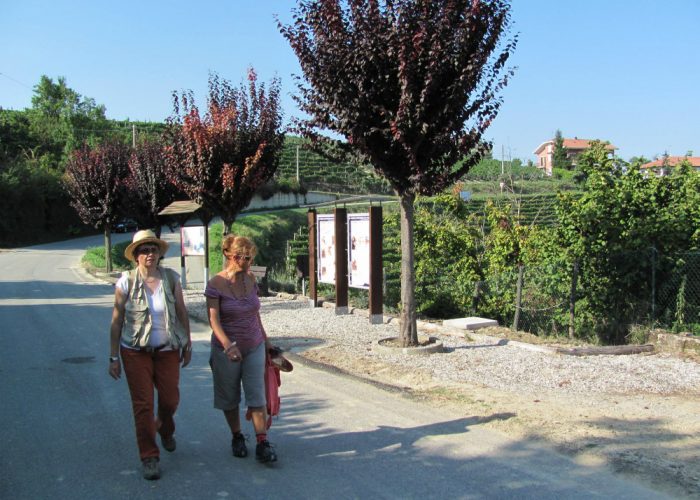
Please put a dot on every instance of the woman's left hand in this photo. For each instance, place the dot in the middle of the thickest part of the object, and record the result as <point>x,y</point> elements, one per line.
<point>186,356</point>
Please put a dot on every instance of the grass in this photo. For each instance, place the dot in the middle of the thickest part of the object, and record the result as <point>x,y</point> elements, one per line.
<point>94,258</point>
<point>269,231</point>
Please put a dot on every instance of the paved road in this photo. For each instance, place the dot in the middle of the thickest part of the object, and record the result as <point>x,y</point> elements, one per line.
<point>67,429</point>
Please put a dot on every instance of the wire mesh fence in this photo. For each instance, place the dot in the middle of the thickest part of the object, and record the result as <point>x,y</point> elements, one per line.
<point>604,298</point>
<point>608,298</point>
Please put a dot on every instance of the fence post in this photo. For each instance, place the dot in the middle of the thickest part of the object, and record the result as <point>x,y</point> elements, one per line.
<point>572,300</point>
<point>518,296</point>
<point>476,296</point>
<point>653,284</point>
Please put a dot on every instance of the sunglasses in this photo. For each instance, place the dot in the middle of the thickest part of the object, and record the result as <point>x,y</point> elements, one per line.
<point>147,250</point>
<point>242,257</point>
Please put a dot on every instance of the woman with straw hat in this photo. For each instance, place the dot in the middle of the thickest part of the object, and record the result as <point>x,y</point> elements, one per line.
<point>150,331</point>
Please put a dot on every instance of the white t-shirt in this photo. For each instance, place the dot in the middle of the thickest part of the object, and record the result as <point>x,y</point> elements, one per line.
<point>156,308</point>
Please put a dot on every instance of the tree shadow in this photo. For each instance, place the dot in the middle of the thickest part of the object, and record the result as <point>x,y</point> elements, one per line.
<point>628,451</point>
<point>53,290</point>
<point>443,458</point>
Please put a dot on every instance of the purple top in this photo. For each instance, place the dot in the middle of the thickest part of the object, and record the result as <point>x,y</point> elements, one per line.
<point>239,318</point>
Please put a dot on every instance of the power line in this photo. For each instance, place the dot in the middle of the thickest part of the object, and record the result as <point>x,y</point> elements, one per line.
<point>15,80</point>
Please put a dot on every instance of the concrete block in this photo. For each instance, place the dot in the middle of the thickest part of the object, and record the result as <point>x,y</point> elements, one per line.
<point>471,323</point>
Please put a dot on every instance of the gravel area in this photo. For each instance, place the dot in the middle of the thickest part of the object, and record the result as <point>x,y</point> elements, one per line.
<point>485,362</point>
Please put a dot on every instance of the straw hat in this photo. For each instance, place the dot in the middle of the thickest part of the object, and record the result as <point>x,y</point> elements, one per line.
<point>142,237</point>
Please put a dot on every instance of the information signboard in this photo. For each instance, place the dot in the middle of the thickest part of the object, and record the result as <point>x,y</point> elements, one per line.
<point>192,238</point>
<point>358,250</point>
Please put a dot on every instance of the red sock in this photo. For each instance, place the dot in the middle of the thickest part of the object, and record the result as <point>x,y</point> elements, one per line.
<point>261,437</point>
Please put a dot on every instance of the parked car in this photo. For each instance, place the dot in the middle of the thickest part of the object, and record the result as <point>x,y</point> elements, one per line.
<point>125,225</point>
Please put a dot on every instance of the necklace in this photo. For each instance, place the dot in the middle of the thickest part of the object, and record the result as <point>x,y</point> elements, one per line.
<point>230,282</point>
<point>151,282</point>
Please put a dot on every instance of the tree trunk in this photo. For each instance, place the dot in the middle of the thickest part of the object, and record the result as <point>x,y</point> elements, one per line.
<point>409,331</point>
<point>108,248</point>
<point>606,350</point>
<point>228,225</point>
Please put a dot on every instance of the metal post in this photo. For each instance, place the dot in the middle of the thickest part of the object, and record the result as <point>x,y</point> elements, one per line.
<point>518,297</point>
<point>572,300</point>
<point>653,284</point>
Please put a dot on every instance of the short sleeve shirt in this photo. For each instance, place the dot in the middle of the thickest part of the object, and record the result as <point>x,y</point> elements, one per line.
<point>239,318</point>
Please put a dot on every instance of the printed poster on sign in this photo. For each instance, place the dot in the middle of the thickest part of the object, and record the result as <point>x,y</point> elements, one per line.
<point>358,251</point>
<point>325,225</point>
<point>192,238</point>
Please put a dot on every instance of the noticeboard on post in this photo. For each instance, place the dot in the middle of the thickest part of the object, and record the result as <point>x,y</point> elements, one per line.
<point>326,248</point>
<point>358,249</point>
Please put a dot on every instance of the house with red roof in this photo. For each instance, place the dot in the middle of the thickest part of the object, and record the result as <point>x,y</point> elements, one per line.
<point>663,166</point>
<point>574,147</point>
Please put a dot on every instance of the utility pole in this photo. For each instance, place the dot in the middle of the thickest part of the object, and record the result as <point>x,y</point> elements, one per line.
<point>133,136</point>
<point>297,164</point>
<point>502,154</point>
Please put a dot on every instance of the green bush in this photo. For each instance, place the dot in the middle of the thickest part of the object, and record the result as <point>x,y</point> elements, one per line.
<point>94,257</point>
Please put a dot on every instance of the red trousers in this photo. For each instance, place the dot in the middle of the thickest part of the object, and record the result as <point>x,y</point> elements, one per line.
<point>145,371</point>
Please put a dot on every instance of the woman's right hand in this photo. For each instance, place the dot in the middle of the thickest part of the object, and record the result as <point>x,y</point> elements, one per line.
<point>232,352</point>
<point>115,369</point>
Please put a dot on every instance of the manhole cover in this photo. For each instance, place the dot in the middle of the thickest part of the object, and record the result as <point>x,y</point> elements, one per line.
<point>79,360</point>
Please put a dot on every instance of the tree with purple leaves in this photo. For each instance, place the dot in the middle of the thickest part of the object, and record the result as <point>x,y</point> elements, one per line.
<point>412,85</point>
<point>222,158</point>
<point>94,180</point>
<point>148,185</point>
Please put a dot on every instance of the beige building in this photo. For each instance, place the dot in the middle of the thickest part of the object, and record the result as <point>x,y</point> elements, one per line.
<point>662,166</point>
<point>574,147</point>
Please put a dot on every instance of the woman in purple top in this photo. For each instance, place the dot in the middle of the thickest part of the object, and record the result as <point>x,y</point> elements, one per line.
<point>238,345</point>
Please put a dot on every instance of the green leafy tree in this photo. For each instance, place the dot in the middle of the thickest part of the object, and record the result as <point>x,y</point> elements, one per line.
<point>610,229</point>
<point>410,84</point>
<point>560,157</point>
<point>94,179</point>
<point>61,120</point>
<point>15,138</point>
<point>222,158</point>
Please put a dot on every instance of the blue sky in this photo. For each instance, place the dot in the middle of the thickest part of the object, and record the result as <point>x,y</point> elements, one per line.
<point>619,70</point>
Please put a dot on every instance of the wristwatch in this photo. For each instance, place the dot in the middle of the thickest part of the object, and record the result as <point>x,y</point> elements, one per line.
<point>113,359</point>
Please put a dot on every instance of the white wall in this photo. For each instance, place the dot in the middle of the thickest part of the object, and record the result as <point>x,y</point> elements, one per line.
<point>283,200</point>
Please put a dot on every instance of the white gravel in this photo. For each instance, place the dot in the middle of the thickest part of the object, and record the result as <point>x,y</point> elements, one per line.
<point>484,362</point>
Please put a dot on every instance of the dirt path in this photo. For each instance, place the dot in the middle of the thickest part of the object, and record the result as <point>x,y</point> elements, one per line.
<point>654,438</point>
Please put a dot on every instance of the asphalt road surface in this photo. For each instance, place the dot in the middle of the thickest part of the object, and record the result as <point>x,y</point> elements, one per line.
<point>67,428</point>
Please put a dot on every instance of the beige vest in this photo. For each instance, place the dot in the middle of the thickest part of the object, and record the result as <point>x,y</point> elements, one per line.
<point>136,329</point>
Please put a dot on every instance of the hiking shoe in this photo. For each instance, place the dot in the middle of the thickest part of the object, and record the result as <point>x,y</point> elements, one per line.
<point>168,443</point>
<point>265,453</point>
<point>238,446</point>
<point>151,470</point>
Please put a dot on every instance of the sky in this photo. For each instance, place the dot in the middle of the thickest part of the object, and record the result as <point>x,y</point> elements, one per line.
<point>625,71</point>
